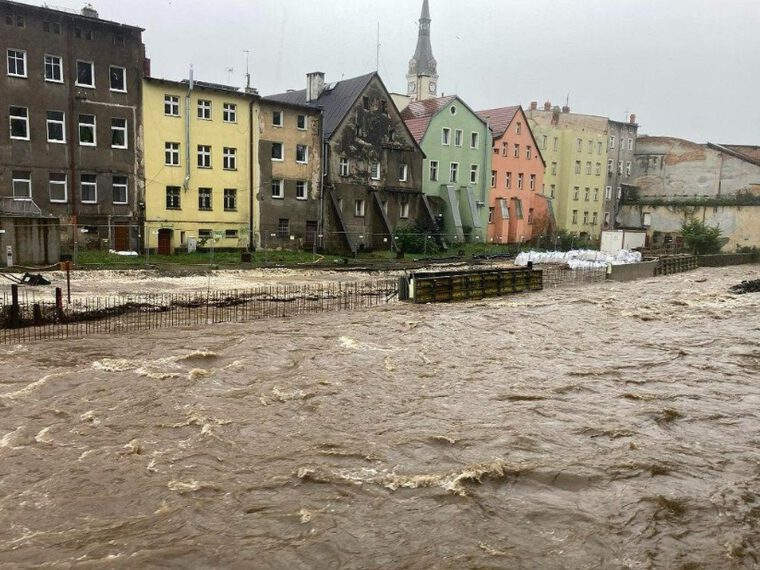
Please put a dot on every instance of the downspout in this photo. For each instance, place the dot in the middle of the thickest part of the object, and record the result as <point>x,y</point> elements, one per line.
<point>486,177</point>
<point>251,246</point>
<point>70,142</point>
<point>186,183</point>
<point>323,175</point>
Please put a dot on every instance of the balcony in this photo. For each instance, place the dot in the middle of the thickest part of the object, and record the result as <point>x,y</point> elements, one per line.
<point>13,207</point>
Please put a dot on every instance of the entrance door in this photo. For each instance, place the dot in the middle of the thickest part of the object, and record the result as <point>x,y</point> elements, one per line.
<point>164,242</point>
<point>310,236</point>
<point>121,238</point>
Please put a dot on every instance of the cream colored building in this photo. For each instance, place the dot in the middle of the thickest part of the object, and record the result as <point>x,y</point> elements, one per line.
<point>201,146</point>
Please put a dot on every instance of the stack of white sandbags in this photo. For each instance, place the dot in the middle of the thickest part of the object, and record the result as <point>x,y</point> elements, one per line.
<point>578,258</point>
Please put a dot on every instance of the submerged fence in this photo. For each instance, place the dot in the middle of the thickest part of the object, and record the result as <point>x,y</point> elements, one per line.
<point>24,321</point>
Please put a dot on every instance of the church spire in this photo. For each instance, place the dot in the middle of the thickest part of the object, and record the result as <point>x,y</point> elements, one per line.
<point>423,68</point>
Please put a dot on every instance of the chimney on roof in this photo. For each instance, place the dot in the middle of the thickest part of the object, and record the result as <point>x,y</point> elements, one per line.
<point>146,66</point>
<point>89,11</point>
<point>633,118</point>
<point>565,109</point>
<point>555,116</point>
<point>315,85</point>
<point>533,105</point>
<point>547,106</point>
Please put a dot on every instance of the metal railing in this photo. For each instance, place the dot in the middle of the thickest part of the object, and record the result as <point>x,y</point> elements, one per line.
<point>17,207</point>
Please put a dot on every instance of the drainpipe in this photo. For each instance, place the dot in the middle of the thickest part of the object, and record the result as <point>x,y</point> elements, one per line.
<point>186,184</point>
<point>70,142</point>
<point>486,177</point>
<point>251,167</point>
<point>323,175</point>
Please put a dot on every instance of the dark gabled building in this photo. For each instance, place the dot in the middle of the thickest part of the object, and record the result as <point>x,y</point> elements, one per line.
<point>372,165</point>
<point>72,105</point>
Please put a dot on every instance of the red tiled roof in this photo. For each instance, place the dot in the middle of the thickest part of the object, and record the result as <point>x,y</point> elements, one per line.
<point>418,114</point>
<point>500,118</point>
<point>418,127</point>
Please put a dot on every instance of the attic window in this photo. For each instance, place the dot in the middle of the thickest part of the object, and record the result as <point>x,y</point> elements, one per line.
<point>365,102</point>
<point>453,110</point>
<point>384,107</point>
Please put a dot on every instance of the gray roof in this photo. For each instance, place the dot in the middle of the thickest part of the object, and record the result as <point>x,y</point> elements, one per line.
<point>336,100</point>
<point>423,62</point>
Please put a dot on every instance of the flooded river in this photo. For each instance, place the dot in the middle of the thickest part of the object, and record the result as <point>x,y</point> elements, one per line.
<point>610,426</point>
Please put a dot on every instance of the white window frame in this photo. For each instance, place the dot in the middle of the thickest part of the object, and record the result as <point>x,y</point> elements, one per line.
<point>204,156</point>
<point>359,208</point>
<point>610,166</point>
<point>517,151</point>
<point>596,194</point>
<point>588,169</point>
<point>125,128</point>
<point>403,174</point>
<point>302,186</point>
<point>446,136</point>
<point>375,171</point>
<point>281,146</point>
<point>554,168</point>
<point>628,167</point>
<point>494,174</point>
<point>474,173</point>
<point>171,104</point>
<point>520,180</point>
<point>508,180</point>
<point>280,185</point>
<point>532,182</point>
<point>229,158</point>
<point>594,218</point>
<point>608,193</point>
<point>24,119</point>
<point>433,171</point>
<point>57,183</point>
<point>61,122</point>
<point>454,173</point>
<point>23,60</point>
<point>114,185</point>
<point>305,122</point>
<point>123,77</point>
<point>53,66</point>
<point>612,142</point>
<point>403,210</point>
<point>458,138</point>
<point>93,126</point>
<point>229,112</point>
<point>82,183</point>
<point>305,152</point>
<point>598,171</point>
<point>171,150</point>
<point>205,199</point>
<point>620,168</point>
<point>518,128</point>
<point>204,108</point>
<point>230,194</point>
<point>619,192</point>
<point>630,143</point>
<point>577,166</point>
<point>28,180</point>
<point>552,191</point>
<point>92,71</point>
<point>344,167</point>
<point>528,152</point>
<point>278,119</point>
<point>575,217</point>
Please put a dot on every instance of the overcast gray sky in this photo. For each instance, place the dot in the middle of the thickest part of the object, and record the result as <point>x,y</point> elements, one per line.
<point>687,68</point>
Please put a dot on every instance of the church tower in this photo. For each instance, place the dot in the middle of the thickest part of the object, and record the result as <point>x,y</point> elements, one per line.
<point>422,79</point>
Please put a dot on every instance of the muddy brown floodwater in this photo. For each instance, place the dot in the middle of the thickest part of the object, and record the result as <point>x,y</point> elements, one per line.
<point>610,426</point>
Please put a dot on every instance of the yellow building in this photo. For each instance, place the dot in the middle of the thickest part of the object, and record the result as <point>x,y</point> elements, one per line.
<point>574,147</point>
<point>201,161</point>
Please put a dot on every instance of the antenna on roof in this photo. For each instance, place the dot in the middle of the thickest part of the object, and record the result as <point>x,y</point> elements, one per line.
<point>229,71</point>
<point>247,70</point>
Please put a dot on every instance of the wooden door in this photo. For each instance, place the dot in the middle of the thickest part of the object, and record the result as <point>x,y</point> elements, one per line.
<point>121,238</point>
<point>164,242</point>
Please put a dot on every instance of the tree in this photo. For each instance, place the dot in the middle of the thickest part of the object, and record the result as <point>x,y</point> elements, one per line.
<point>701,238</point>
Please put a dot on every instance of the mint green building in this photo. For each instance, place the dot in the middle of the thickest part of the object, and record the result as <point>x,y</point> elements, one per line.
<point>457,169</point>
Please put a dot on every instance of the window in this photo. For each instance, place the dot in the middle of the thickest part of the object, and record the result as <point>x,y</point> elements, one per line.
<point>504,148</point>
<point>85,74</point>
<point>588,168</point>
<point>230,199</point>
<point>120,189</point>
<point>508,180</point>
<point>22,185</point>
<point>599,148</point>
<point>433,170</point>
<point>88,188</point>
<point>302,190</point>
<point>520,178</point>
<point>608,193</point>
<point>229,113</point>
<point>612,141</point>
<point>301,122</point>
<point>384,107</point>
<point>585,218</point>
<point>553,191</point>
<point>554,168</point>
<point>619,192</point>
<point>172,198</point>
<point>57,187</point>
<point>16,63</point>
<point>530,215</point>
<point>543,141</point>
<point>627,168</point>
<point>556,144</point>
<point>118,40</point>
<point>576,193</point>
<point>278,189</point>
<point>302,154</point>
<point>403,172</point>
<point>493,178</point>
<point>79,33</point>
<point>594,218</point>
<point>620,167</point>
<point>474,174</point>
<point>404,209</point>
<point>528,152</point>
<point>596,194</point>
<point>19,120</point>
<point>344,167</point>
<point>518,209</point>
<point>231,234</point>
<point>454,172</point>
<point>87,132</point>
<point>277,151</point>
<point>119,133</point>
<point>458,137</point>
<point>575,217</point>
<point>375,171</point>
<point>532,181</point>
<point>53,69</point>
<point>446,136</point>
<point>598,170</point>
<point>609,166</point>
<point>118,78</point>
<point>171,154</point>
<point>204,109</point>
<point>55,130</point>
<point>204,156</point>
<point>517,151</point>
<point>587,194</point>
<point>630,144</point>
<point>359,208</point>
<point>229,158</point>
<point>606,218</point>
<point>491,214</point>
<point>579,145</point>
<point>276,118</point>
<point>518,128</point>
<point>171,105</point>
<point>12,20</point>
<point>283,228</point>
<point>474,140</point>
<point>365,103</point>
<point>577,166</point>
<point>205,234</point>
<point>204,199</point>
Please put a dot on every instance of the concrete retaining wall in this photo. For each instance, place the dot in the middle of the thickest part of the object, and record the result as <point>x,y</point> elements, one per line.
<point>35,241</point>
<point>632,271</point>
<point>724,259</point>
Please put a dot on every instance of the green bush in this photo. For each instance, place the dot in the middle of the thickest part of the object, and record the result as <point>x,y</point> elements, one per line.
<point>411,238</point>
<point>700,238</point>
